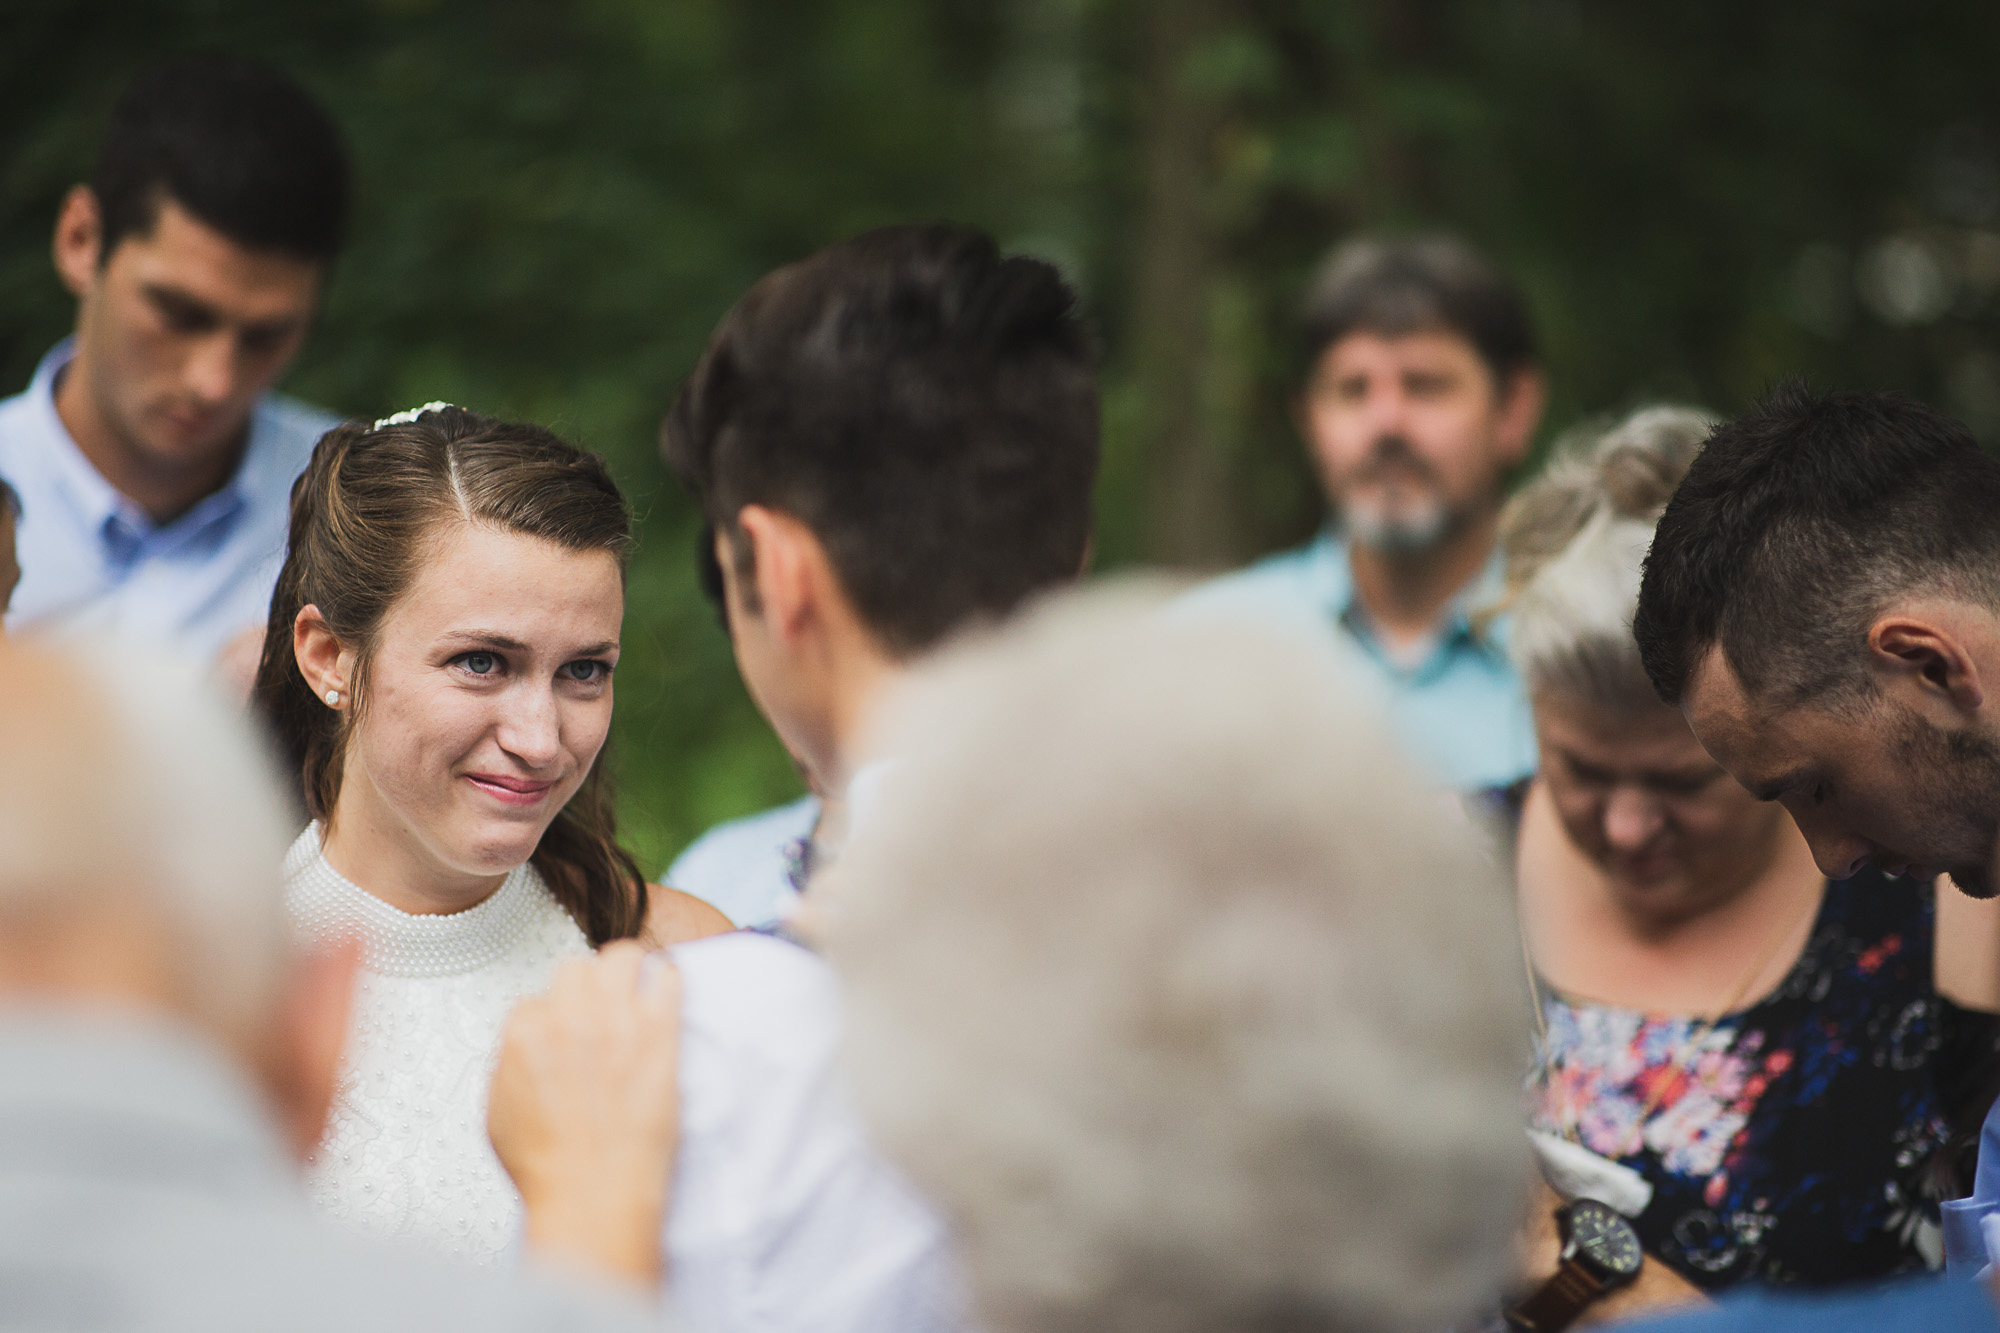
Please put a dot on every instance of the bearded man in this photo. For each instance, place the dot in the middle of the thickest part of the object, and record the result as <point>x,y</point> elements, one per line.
<point>1421,393</point>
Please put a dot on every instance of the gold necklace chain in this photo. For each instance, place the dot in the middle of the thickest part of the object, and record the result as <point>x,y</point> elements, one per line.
<point>1690,1047</point>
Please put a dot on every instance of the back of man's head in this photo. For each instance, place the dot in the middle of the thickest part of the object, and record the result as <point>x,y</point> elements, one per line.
<point>1397,286</point>
<point>234,142</point>
<point>139,830</point>
<point>926,406</point>
<point>1797,524</point>
<point>1191,1006</point>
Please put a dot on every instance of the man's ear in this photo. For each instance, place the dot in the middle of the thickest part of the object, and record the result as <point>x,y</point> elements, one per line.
<point>1927,652</point>
<point>302,1071</point>
<point>322,660</point>
<point>1523,395</point>
<point>79,240</point>
<point>789,570</point>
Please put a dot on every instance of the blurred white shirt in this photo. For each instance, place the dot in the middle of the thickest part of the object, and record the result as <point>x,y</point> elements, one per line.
<point>785,1219</point>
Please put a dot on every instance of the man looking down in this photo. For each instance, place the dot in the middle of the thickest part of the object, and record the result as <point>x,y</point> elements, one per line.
<point>1822,602</point>
<point>153,466</point>
<point>1822,599</point>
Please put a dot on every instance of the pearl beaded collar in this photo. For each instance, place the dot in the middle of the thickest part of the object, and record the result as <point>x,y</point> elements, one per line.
<point>325,906</point>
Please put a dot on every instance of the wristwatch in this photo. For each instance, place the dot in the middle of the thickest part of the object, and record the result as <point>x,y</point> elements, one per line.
<point>1600,1253</point>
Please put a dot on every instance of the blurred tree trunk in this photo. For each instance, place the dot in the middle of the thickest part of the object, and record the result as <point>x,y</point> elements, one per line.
<point>1189,519</point>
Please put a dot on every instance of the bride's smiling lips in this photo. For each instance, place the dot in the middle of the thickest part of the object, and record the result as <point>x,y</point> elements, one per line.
<point>509,791</point>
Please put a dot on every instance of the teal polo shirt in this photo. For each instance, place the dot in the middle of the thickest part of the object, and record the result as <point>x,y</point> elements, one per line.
<point>1461,711</point>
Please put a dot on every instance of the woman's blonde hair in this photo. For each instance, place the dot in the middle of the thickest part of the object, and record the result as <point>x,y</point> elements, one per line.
<point>1574,541</point>
<point>364,513</point>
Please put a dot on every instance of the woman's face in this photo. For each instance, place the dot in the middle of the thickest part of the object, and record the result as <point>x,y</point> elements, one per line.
<point>488,698</point>
<point>1671,831</point>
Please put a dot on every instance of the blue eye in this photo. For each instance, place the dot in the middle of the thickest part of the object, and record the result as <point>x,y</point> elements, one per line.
<point>480,664</point>
<point>585,671</point>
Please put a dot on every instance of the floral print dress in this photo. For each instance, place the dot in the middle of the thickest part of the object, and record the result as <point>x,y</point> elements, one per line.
<point>1801,1139</point>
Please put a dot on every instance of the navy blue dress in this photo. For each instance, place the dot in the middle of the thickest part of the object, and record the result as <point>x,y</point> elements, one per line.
<point>1805,1139</point>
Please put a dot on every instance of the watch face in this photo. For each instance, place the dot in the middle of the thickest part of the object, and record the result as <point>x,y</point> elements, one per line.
<point>1602,1236</point>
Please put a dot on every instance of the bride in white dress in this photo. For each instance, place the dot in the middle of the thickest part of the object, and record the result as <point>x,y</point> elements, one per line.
<point>438,671</point>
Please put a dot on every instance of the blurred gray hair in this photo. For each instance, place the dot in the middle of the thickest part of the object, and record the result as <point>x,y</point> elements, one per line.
<point>1167,980</point>
<point>124,778</point>
<point>1574,541</point>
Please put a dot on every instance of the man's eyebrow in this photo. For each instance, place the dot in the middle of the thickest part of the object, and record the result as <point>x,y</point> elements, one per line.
<point>273,328</point>
<point>186,303</point>
<point>179,300</point>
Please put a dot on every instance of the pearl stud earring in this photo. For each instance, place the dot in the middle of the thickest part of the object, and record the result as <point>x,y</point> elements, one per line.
<point>333,698</point>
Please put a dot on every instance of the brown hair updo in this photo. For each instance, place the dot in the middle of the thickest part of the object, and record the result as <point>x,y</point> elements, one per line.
<point>363,513</point>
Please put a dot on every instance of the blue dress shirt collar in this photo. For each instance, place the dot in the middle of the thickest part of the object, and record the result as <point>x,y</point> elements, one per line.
<point>1332,573</point>
<point>125,532</point>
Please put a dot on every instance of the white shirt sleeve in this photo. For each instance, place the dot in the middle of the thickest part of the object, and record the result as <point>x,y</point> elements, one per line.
<point>784,1218</point>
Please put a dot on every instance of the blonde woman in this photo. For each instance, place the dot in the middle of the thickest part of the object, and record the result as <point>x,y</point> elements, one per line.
<point>1779,1058</point>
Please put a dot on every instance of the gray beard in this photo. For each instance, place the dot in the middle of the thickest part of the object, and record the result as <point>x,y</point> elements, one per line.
<point>1400,534</point>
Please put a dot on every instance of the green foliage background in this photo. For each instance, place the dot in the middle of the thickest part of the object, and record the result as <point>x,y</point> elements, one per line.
<point>557,201</point>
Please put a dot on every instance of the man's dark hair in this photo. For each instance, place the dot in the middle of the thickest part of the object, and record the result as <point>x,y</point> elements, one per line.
<point>234,142</point>
<point>927,407</point>
<point>1797,524</point>
<point>1397,286</point>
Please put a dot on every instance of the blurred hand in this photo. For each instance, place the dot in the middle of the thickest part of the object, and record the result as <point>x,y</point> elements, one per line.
<point>584,1111</point>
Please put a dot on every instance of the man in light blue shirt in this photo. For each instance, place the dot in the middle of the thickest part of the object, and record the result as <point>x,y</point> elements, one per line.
<point>1421,394</point>
<point>1457,704</point>
<point>153,465</point>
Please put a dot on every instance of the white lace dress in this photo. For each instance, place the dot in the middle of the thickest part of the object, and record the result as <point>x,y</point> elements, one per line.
<point>405,1153</point>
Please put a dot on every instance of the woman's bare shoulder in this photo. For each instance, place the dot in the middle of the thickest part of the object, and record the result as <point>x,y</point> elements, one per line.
<point>673,917</point>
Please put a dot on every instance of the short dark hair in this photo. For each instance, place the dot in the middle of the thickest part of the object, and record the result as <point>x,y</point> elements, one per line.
<point>1394,286</point>
<point>1793,528</point>
<point>926,406</point>
<point>237,144</point>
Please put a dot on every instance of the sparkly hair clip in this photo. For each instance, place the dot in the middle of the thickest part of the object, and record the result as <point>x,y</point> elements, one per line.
<point>406,418</point>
